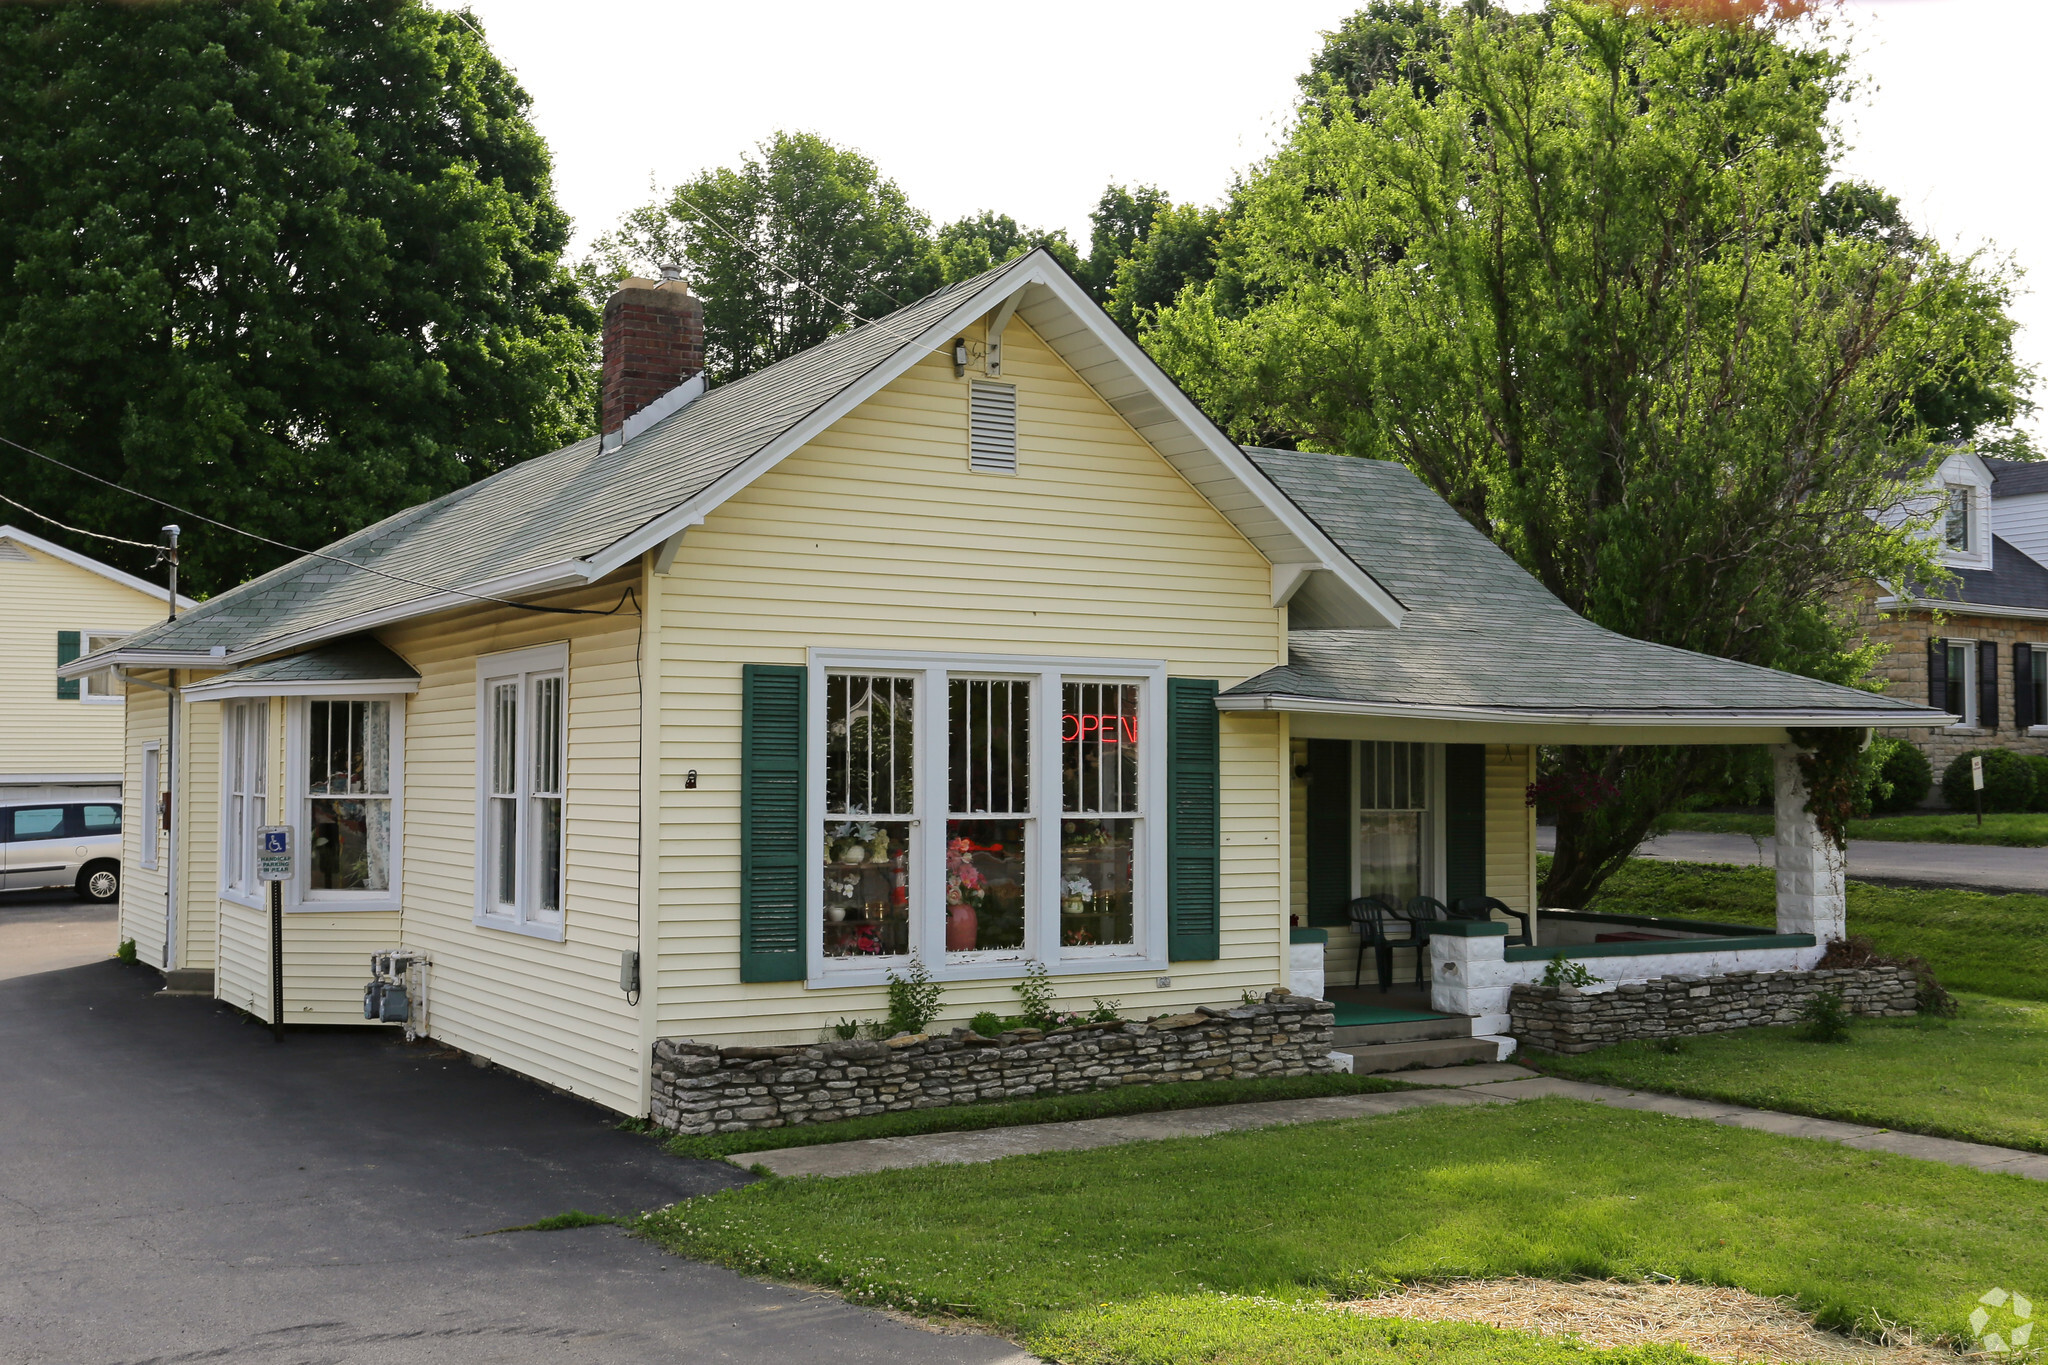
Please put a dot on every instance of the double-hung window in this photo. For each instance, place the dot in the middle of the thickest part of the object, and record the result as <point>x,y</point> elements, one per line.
<point>1394,838</point>
<point>1962,680</point>
<point>100,686</point>
<point>522,762</point>
<point>1042,848</point>
<point>348,803</point>
<point>242,785</point>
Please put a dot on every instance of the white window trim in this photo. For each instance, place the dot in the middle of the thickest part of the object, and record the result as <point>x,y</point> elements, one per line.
<point>1433,845</point>
<point>300,897</point>
<point>86,695</point>
<point>928,853</point>
<point>253,897</point>
<point>1970,652</point>
<point>148,834</point>
<point>1977,522</point>
<point>522,664</point>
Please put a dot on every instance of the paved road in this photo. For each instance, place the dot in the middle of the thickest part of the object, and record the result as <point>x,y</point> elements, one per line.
<point>41,931</point>
<point>1978,867</point>
<point>174,1186</point>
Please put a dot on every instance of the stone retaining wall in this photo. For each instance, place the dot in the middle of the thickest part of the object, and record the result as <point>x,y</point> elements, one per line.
<point>703,1089</point>
<point>1561,1019</point>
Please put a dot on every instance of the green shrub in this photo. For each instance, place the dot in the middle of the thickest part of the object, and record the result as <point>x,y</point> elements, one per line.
<point>126,952</point>
<point>1903,777</point>
<point>913,998</point>
<point>1824,1020</point>
<point>2008,781</point>
<point>988,1023</point>
<point>2039,763</point>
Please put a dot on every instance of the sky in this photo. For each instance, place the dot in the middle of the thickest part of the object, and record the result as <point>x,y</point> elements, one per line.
<point>1032,111</point>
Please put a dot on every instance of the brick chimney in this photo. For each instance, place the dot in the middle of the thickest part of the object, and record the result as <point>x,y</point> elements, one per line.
<point>653,341</point>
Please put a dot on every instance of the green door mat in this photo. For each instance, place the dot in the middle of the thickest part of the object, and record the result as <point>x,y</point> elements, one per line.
<point>1349,1014</point>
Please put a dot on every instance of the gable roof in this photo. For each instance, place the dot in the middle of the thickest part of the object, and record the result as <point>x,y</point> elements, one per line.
<point>357,666</point>
<point>88,563</point>
<point>578,514</point>
<point>1484,640</point>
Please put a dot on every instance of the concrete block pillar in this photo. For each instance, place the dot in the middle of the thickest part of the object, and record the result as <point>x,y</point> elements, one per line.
<point>1470,972</point>
<point>1305,951</point>
<point>1812,872</point>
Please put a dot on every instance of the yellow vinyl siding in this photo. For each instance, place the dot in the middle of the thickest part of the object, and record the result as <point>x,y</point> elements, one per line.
<point>142,888</point>
<point>876,536</point>
<point>38,733</point>
<point>550,1010</point>
<point>1510,825</point>
<point>199,822</point>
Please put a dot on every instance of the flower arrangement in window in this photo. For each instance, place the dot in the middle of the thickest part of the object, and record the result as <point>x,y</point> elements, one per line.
<point>963,879</point>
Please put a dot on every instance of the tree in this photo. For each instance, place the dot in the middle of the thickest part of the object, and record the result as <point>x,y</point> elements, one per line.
<point>1585,290</point>
<point>785,249</point>
<point>968,246</point>
<point>1179,249</point>
<point>292,263</point>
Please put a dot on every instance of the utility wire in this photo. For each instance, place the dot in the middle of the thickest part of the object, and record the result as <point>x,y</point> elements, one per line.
<point>138,544</point>
<point>310,554</point>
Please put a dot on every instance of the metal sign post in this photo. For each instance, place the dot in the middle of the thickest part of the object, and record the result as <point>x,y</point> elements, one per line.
<point>274,865</point>
<point>1977,783</point>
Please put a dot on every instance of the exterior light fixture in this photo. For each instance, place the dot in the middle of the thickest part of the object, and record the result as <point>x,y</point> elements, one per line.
<point>959,357</point>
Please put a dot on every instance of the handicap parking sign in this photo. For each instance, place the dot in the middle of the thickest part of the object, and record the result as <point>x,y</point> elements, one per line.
<point>274,853</point>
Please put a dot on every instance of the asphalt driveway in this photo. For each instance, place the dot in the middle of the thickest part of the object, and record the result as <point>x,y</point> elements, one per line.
<point>176,1186</point>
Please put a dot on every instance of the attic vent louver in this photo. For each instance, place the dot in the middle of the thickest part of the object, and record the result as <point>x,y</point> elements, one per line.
<point>992,428</point>
<point>9,550</point>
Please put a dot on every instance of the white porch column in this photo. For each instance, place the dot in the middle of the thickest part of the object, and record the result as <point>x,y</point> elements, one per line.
<point>1812,898</point>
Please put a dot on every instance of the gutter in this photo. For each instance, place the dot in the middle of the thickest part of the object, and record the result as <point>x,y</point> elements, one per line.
<point>1825,719</point>
<point>1952,608</point>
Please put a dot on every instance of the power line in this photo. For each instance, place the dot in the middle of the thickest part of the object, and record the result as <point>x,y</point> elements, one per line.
<point>138,544</point>
<point>310,554</point>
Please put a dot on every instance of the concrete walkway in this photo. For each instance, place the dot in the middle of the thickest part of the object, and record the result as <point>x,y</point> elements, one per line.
<point>1975,867</point>
<point>1498,1083</point>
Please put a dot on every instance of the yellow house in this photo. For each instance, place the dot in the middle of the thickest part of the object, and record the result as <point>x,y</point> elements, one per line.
<point>962,639</point>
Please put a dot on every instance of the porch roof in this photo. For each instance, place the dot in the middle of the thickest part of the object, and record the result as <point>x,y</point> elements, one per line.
<point>1484,641</point>
<point>355,666</point>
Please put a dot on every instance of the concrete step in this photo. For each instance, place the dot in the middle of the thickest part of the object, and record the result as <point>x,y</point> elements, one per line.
<point>1407,1031</point>
<point>188,981</point>
<point>1378,1057</point>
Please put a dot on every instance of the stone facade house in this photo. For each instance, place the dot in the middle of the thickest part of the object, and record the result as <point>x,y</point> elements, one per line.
<point>1977,647</point>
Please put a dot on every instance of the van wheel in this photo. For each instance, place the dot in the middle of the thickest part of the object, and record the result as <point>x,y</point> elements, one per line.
<point>99,882</point>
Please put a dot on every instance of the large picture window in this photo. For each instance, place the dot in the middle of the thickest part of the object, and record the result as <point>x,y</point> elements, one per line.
<point>1042,848</point>
<point>243,730</point>
<point>522,762</point>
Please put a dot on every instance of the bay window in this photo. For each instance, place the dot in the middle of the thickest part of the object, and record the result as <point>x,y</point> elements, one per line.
<point>522,759</point>
<point>243,730</point>
<point>1042,849</point>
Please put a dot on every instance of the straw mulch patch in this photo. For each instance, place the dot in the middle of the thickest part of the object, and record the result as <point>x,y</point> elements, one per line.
<point>1721,1324</point>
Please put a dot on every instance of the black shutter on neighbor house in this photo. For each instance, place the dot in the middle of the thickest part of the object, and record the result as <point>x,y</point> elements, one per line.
<point>1194,822</point>
<point>1327,832</point>
<point>2023,688</point>
<point>1937,673</point>
<point>67,650</point>
<point>1464,821</point>
<point>1987,685</point>
<point>772,946</point>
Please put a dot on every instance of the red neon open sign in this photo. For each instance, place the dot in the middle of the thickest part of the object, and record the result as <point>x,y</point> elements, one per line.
<point>1108,729</point>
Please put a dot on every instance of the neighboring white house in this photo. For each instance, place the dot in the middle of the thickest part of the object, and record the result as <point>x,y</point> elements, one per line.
<point>58,735</point>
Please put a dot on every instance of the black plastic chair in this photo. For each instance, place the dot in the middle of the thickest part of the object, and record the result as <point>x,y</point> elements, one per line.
<point>1483,907</point>
<point>1382,928</point>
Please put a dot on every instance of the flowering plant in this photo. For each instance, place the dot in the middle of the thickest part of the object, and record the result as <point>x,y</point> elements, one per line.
<point>1078,886</point>
<point>962,875</point>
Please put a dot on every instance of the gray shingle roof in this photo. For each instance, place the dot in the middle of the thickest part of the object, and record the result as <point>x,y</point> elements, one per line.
<point>570,504</point>
<point>1482,633</point>
<point>2015,580</point>
<point>2017,478</point>
<point>354,659</point>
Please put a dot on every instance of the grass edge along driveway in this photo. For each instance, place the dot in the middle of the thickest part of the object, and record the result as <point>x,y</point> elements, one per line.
<point>1044,1246</point>
<point>2027,829</point>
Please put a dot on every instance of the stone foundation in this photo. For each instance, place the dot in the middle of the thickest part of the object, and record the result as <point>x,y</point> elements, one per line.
<point>1561,1019</point>
<point>703,1089</point>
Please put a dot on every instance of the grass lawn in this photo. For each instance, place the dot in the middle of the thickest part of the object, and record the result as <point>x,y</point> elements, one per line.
<point>1102,1256</point>
<point>1096,1104</point>
<point>1982,1077</point>
<point>1993,945</point>
<point>1946,827</point>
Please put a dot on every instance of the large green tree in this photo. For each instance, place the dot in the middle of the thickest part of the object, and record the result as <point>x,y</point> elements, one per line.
<point>1579,271</point>
<point>292,263</point>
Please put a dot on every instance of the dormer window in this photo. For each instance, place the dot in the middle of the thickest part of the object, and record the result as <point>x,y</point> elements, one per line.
<point>1956,523</point>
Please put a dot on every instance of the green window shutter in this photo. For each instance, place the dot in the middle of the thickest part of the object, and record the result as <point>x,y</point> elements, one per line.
<point>1464,821</point>
<point>1194,822</point>
<point>772,943</point>
<point>1327,818</point>
<point>67,650</point>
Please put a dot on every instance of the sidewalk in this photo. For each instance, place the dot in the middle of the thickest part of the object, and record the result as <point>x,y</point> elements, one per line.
<point>1498,1083</point>
<point>1975,867</point>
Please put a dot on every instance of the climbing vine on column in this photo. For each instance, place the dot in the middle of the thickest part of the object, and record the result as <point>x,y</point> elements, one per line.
<point>1831,765</point>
